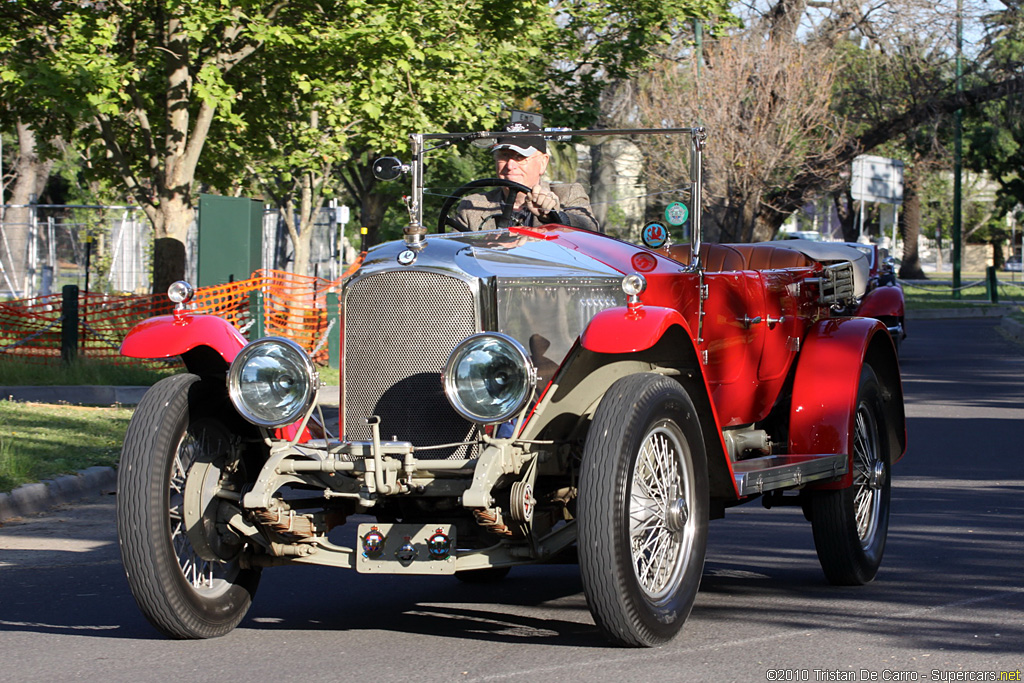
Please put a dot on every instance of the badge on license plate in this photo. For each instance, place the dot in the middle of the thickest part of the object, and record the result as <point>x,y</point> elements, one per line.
<point>405,549</point>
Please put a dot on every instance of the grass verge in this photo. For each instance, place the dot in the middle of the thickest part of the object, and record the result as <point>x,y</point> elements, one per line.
<point>43,441</point>
<point>15,372</point>
<point>920,296</point>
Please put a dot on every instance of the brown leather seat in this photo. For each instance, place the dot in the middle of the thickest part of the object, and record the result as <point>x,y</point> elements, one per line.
<point>724,257</point>
<point>714,257</point>
<point>768,257</point>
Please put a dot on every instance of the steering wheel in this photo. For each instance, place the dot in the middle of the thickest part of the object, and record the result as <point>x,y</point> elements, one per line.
<point>444,220</point>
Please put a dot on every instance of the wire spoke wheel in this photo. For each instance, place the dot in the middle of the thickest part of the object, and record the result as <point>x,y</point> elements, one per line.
<point>867,500</point>
<point>643,510</point>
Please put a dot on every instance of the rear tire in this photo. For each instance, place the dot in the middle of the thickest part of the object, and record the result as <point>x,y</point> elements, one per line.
<point>850,525</point>
<point>183,595</point>
<point>643,510</point>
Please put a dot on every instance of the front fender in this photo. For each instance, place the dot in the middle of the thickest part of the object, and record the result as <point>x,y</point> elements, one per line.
<point>167,336</point>
<point>882,301</point>
<point>825,387</point>
<point>621,330</point>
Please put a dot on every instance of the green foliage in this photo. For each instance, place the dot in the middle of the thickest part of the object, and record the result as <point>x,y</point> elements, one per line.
<point>294,89</point>
<point>601,42</point>
<point>994,132</point>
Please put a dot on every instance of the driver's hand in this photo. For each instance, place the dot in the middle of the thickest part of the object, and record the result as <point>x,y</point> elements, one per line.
<point>541,202</point>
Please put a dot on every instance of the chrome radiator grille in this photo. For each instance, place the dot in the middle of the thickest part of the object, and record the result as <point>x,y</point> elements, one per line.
<point>400,327</point>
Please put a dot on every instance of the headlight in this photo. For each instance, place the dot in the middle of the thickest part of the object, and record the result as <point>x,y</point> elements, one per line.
<point>272,382</point>
<point>489,378</point>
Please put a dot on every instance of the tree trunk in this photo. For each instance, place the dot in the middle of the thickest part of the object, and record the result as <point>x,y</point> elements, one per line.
<point>358,179</point>
<point>173,218</point>
<point>910,228</point>
<point>846,210</point>
<point>371,213</point>
<point>31,175</point>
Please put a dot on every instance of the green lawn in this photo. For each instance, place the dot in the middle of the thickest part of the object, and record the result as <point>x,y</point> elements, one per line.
<point>16,372</point>
<point>43,441</point>
<point>923,295</point>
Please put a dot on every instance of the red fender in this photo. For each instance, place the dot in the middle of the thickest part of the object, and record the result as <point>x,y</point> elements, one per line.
<point>620,330</point>
<point>166,336</point>
<point>886,300</point>
<point>825,388</point>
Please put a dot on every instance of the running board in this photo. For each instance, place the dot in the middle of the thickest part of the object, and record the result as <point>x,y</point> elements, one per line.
<point>770,472</point>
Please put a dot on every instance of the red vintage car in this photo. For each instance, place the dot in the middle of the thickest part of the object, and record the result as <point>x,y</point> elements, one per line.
<point>512,396</point>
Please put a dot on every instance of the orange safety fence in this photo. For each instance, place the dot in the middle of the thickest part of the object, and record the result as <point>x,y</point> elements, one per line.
<point>289,305</point>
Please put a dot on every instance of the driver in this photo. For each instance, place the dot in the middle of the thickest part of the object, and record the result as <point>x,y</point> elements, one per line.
<point>523,160</point>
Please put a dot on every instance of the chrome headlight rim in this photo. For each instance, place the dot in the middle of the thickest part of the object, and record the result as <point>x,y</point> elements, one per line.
<point>518,353</point>
<point>309,372</point>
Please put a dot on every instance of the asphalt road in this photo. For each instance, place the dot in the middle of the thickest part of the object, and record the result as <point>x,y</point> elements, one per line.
<point>949,597</point>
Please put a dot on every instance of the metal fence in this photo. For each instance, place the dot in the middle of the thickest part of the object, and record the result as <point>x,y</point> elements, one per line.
<point>109,249</point>
<point>100,248</point>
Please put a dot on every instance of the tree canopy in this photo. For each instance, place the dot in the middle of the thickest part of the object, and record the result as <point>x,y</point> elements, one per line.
<point>163,94</point>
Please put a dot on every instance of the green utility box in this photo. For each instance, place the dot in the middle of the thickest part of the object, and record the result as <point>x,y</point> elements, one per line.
<point>230,239</point>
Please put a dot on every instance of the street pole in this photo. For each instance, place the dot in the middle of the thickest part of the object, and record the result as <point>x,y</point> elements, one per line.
<point>957,151</point>
<point>1012,220</point>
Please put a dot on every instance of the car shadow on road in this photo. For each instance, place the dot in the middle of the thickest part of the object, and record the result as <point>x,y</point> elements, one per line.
<point>534,604</point>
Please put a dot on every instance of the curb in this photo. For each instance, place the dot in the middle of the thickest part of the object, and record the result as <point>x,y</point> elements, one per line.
<point>30,499</point>
<point>85,394</point>
<point>1013,329</point>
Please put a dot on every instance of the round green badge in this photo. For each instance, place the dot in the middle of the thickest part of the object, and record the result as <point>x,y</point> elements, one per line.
<point>676,213</point>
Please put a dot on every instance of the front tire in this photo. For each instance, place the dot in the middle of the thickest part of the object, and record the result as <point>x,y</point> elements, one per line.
<point>643,510</point>
<point>850,525</point>
<point>180,590</point>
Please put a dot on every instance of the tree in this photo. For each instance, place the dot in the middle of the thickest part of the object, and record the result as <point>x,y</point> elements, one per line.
<point>890,72</point>
<point>558,57</point>
<point>30,175</point>
<point>163,93</point>
<point>995,131</point>
<point>141,83</point>
<point>433,67</point>
<point>766,104</point>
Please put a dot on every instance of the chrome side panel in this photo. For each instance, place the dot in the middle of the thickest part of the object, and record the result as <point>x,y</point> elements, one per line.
<point>547,316</point>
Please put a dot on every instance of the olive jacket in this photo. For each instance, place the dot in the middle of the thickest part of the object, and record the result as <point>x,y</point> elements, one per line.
<point>481,211</point>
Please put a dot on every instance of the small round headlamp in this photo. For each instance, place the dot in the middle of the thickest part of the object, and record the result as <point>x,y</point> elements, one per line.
<point>180,292</point>
<point>489,378</point>
<point>634,284</point>
<point>272,382</point>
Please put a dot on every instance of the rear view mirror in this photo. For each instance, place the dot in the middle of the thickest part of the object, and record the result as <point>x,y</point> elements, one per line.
<point>388,168</point>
